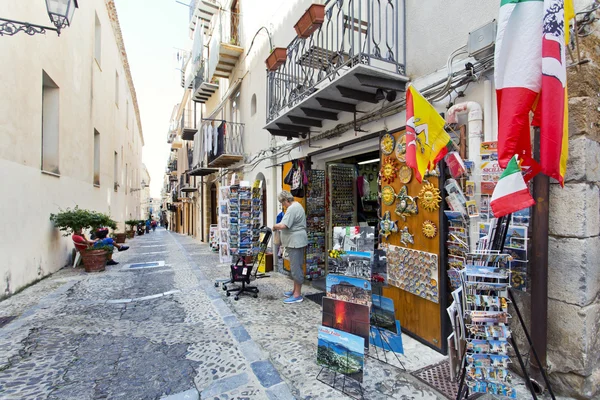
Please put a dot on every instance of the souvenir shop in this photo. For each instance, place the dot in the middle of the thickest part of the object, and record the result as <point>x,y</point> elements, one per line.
<point>441,281</point>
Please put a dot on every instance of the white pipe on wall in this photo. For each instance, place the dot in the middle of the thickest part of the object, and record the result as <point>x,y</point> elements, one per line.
<point>488,132</point>
<point>475,128</point>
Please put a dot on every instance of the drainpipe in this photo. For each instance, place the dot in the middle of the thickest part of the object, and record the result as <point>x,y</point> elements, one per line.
<point>488,131</point>
<point>475,124</point>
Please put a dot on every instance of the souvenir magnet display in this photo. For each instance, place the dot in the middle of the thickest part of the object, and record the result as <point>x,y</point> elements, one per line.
<point>401,148</point>
<point>405,174</point>
<point>407,205</point>
<point>429,229</point>
<point>387,226</point>
<point>387,144</point>
<point>388,195</point>
<point>405,237</point>
<point>389,170</point>
<point>429,197</point>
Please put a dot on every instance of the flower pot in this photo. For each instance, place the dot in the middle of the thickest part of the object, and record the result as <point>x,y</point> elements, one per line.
<point>94,260</point>
<point>276,58</point>
<point>130,234</point>
<point>120,237</point>
<point>310,21</point>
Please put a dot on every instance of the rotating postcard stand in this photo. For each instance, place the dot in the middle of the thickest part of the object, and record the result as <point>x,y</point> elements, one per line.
<point>484,363</point>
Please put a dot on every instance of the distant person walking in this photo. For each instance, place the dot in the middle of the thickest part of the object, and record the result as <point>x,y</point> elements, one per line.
<point>295,240</point>
<point>147,226</point>
<point>153,223</point>
<point>167,225</point>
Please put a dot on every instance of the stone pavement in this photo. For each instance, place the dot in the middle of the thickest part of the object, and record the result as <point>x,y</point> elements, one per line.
<point>162,330</point>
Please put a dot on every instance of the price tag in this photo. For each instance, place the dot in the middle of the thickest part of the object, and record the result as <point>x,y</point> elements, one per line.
<point>244,271</point>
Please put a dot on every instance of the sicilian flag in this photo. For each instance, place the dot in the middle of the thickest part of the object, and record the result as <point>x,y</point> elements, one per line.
<point>426,140</point>
<point>552,110</point>
<point>511,192</point>
<point>518,75</point>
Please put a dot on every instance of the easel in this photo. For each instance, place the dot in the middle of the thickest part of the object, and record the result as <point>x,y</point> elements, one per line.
<point>343,390</point>
<point>384,342</point>
<point>498,240</point>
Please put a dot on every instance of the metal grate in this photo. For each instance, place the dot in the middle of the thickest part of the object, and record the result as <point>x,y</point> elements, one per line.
<point>438,376</point>
<point>6,320</point>
<point>316,297</point>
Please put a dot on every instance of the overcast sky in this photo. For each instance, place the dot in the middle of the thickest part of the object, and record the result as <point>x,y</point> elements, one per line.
<point>152,30</point>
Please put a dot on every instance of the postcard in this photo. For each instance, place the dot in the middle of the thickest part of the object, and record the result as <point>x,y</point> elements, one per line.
<point>341,352</point>
<point>383,313</point>
<point>489,331</point>
<point>494,302</point>
<point>472,209</point>
<point>487,346</point>
<point>379,267</point>
<point>492,388</point>
<point>488,316</point>
<point>487,272</point>
<point>387,340</point>
<point>351,263</point>
<point>488,360</point>
<point>354,238</point>
<point>355,290</point>
<point>470,189</point>
<point>348,317</point>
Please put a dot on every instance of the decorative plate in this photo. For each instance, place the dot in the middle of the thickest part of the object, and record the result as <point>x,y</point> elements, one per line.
<point>389,170</point>
<point>429,229</point>
<point>387,144</point>
<point>388,195</point>
<point>406,205</point>
<point>429,197</point>
<point>405,174</point>
<point>401,148</point>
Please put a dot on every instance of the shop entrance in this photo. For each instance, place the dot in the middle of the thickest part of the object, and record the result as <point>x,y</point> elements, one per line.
<point>213,204</point>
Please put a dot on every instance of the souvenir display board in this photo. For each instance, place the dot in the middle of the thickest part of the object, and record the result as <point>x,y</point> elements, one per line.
<point>224,226</point>
<point>413,271</point>
<point>411,211</point>
<point>285,168</point>
<point>342,192</point>
<point>245,205</point>
<point>315,224</point>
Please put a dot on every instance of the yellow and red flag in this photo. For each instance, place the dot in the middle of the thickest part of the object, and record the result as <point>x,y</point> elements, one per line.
<point>426,140</point>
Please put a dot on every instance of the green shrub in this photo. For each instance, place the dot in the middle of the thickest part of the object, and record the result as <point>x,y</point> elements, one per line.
<point>73,220</point>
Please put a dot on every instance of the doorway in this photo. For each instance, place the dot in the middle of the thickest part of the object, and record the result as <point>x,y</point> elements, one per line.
<point>213,204</point>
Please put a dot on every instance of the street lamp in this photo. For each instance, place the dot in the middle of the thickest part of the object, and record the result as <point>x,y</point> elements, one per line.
<point>60,13</point>
<point>141,188</point>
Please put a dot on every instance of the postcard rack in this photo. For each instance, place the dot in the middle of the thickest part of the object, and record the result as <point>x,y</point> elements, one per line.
<point>486,293</point>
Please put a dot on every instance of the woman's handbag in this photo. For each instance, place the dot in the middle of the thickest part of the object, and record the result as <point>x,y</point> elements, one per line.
<point>277,238</point>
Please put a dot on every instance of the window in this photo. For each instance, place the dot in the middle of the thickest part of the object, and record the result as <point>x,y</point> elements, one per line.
<point>117,88</point>
<point>50,124</point>
<point>253,105</point>
<point>116,171</point>
<point>98,41</point>
<point>127,114</point>
<point>96,158</point>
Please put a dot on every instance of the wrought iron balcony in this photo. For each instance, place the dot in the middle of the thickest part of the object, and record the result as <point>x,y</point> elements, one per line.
<point>201,85</point>
<point>355,56</point>
<point>187,124</point>
<point>221,150</point>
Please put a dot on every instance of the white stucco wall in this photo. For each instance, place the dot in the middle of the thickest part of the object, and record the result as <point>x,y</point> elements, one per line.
<point>31,246</point>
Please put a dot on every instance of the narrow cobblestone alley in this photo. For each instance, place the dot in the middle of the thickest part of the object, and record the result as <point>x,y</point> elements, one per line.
<point>145,331</point>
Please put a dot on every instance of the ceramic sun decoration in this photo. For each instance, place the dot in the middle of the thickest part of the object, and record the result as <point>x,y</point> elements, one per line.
<point>407,205</point>
<point>388,195</point>
<point>387,144</point>
<point>429,229</point>
<point>389,170</point>
<point>429,197</point>
<point>405,237</point>
<point>387,226</point>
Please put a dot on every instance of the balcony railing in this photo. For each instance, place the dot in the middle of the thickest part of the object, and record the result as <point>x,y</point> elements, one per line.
<point>224,46</point>
<point>227,150</point>
<point>187,124</point>
<point>355,32</point>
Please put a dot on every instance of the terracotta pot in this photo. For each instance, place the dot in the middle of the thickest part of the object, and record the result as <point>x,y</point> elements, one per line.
<point>276,58</point>
<point>120,237</point>
<point>310,21</point>
<point>94,260</point>
<point>130,234</point>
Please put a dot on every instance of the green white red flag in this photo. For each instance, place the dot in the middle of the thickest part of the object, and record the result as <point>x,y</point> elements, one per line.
<point>511,192</point>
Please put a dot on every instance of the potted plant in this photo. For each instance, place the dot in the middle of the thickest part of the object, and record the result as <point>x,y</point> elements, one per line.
<point>311,20</point>
<point>132,224</point>
<point>276,58</point>
<point>119,237</point>
<point>76,220</point>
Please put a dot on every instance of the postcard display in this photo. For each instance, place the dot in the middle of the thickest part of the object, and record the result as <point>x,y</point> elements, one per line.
<point>315,223</point>
<point>355,322</point>
<point>342,192</point>
<point>245,216</point>
<point>222,234</point>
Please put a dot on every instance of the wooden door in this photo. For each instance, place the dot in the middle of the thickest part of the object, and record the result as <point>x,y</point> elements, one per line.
<point>418,316</point>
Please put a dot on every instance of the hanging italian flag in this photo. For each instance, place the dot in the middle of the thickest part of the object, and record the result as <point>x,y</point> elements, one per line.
<point>426,140</point>
<point>511,192</point>
<point>518,75</point>
<point>552,113</point>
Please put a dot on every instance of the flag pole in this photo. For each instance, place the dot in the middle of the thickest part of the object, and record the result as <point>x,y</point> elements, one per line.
<point>539,264</point>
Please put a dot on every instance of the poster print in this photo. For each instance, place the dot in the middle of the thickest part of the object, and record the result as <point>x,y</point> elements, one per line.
<point>348,317</point>
<point>413,271</point>
<point>351,263</point>
<point>341,352</point>
<point>387,340</point>
<point>354,238</point>
<point>350,289</point>
<point>383,314</point>
<point>224,253</point>
<point>379,268</point>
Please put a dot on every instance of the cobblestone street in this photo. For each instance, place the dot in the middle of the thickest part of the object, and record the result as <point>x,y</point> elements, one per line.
<point>157,330</point>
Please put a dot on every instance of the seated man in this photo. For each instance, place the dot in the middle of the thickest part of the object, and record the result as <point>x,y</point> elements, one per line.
<point>81,243</point>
